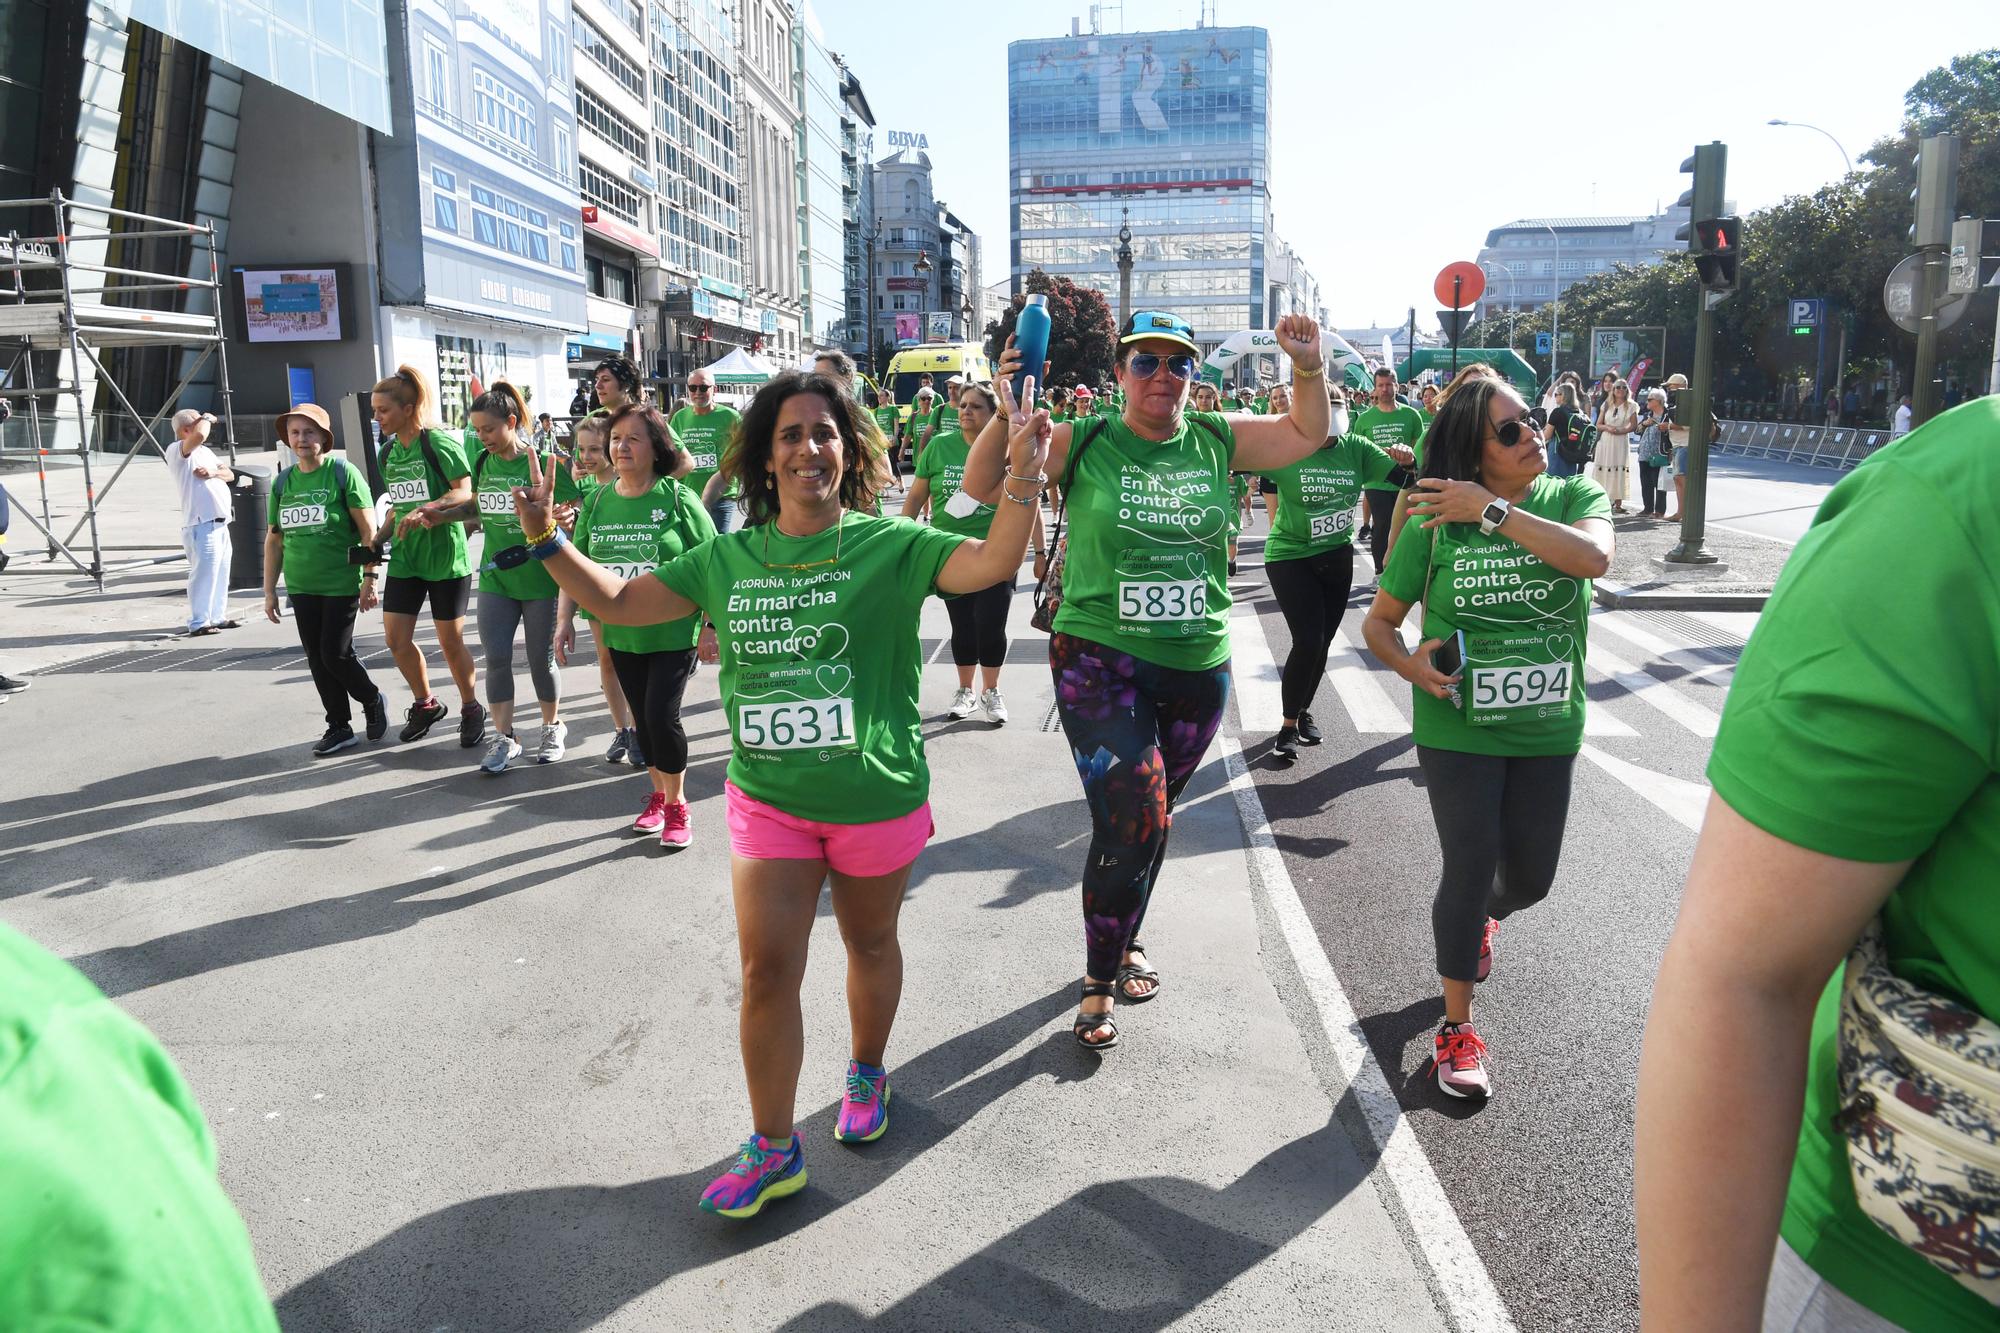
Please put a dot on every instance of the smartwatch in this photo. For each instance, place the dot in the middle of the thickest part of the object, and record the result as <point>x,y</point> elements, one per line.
<point>1495,514</point>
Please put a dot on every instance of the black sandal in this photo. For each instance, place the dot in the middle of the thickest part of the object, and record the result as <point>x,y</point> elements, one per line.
<point>1087,1022</point>
<point>1134,972</point>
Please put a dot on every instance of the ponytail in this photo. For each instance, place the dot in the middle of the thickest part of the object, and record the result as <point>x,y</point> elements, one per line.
<point>411,390</point>
<point>503,400</point>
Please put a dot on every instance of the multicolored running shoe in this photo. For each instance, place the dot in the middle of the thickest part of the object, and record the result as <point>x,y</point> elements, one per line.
<point>764,1171</point>
<point>864,1111</point>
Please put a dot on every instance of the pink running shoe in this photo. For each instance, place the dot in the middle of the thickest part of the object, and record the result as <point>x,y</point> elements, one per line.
<point>1486,949</point>
<point>763,1171</point>
<point>674,830</point>
<point>864,1111</point>
<point>1460,1060</point>
<point>654,817</point>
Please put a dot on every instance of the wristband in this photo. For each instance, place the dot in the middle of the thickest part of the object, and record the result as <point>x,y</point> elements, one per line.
<point>1301,373</point>
<point>1026,502</point>
<point>549,544</point>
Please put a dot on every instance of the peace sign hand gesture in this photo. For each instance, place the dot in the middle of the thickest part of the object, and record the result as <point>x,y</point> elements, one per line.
<point>534,504</point>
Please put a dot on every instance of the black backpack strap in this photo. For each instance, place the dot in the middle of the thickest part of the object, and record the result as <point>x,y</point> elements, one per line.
<point>431,461</point>
<point>479,464</point>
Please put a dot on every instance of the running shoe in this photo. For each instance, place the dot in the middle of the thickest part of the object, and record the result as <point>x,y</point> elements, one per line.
<point>554,743</point>
<point>503,751</point>
<point>962,704</point>
<point>1232,569</point>
<point>1486,948</point>
<point>423,715</point>
<point>995,707</point>
<point>1286,746</point>
<point>13,684</point>
<point>654,817</point>
<point>764,1171</point>
<point>376,712</point>
<point>674,830</point>
<point>864,1111</point>
<point>621,737</point>
<point>1309,732</point>
<point>635,753</point>
<point>1460,1060</point>
<point>336,740</point>
<point>471,724</point>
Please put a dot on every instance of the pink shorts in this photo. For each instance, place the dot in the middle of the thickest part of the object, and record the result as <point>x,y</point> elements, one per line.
<point>765,833</point>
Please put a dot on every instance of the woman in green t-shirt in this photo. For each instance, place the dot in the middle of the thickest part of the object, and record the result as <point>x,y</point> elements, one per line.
<point>591,467</point>
<point>1502,557</point>
<point>643,519</point>
<point>320,511</point>
<point>978,620</point>
<point>514,596</point>
<point>1140,652</point>
<point>816,605</point>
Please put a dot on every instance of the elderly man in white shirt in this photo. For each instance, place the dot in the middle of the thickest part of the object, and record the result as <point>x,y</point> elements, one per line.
<point>203,480</point>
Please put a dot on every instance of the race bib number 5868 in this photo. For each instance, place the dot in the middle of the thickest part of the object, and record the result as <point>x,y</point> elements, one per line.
<point>1331,525</point>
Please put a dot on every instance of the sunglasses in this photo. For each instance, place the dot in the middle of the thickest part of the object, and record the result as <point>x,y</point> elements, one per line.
<point>701,388</point>
<point>1145,365</point>
<point>1511,431</point>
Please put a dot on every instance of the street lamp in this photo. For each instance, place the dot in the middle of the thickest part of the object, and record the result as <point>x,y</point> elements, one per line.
<point>1513,295</point>
<point>1556,307</point>
<point>1801,125</point>
<point>1124,265</point>
<point>868,303</point>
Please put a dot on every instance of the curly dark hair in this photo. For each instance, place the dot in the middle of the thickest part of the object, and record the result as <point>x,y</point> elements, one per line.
<point>1456,440</point>
<point>666,445</point>
<point>748,454</point>
<point>623,371</point>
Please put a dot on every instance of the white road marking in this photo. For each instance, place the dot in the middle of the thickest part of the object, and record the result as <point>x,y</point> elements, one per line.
<point>1680,800</point>
<point>1470,1297</point>
<point>1748,532</point>
<point>1259,700</point>
<point>1652,690</point>
<point>1685,656</point>
<point>1369,704</point>
<point>1599,721</point>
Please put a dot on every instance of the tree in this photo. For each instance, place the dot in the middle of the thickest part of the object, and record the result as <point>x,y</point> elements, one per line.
<point>1082,336</point>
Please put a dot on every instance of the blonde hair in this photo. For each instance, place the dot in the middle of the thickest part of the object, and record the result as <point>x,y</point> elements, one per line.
<point>600,426</point>
<point>411,390</point>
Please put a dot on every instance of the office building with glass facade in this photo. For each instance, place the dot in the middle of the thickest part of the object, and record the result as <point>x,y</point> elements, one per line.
<point>1168,129</point>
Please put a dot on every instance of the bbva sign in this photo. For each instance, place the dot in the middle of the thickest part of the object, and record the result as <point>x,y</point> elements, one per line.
<point>908,139</point>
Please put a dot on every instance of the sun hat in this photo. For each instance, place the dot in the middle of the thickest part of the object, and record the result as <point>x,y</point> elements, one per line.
<point>313,413</point>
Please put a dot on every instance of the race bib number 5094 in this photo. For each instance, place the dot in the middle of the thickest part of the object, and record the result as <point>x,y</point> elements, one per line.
<point>414,490</point>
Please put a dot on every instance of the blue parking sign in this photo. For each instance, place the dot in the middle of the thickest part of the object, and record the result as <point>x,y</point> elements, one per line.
<point>1543,343</point>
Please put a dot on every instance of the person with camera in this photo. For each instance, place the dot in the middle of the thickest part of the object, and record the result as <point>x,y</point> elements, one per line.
<point>203,481</point>
<point>321,540</point>
<point>1502,557</point>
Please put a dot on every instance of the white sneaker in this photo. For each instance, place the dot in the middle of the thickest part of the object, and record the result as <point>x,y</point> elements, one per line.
<point>554,743</point>
<point>962,704</point>
<point>500,752</point>
<point>995,706</point>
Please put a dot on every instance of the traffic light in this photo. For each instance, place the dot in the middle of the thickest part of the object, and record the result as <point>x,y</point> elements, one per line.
<point>1708,166</point>
<point>1718,248</point>
<point>1936,195</point>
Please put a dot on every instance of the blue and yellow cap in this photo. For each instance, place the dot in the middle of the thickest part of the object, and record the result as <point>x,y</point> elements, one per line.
<point>1146,324</point>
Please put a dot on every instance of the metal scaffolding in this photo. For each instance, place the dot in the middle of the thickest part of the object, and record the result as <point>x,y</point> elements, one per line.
<point>86,309</point>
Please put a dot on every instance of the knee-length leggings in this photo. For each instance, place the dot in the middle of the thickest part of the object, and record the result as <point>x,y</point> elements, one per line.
<point>979,625</point>
<point>653,684</point>
<point>1500,824</point>
<point>1137,732</point>
<point>499,615</point>
<point>1312,593</point>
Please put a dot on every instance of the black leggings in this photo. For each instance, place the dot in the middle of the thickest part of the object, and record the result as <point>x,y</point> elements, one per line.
<point>1312,594</point>
<point>326,632</point>
<point>1652,499</point>
<point>1381,513</point>
<point>1500,825</point>
<point>653,684</point>
<point>979,625</point>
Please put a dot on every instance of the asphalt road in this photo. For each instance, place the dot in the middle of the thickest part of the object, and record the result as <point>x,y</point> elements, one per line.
<point>1769,498</point>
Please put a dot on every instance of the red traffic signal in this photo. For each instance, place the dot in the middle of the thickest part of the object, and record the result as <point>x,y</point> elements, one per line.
<point>1718,250</point>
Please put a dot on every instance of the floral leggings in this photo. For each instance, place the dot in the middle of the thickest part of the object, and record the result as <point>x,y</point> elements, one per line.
<point>1137,732</point>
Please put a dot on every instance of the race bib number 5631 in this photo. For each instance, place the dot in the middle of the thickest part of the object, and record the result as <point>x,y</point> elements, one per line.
<point>804,724</point>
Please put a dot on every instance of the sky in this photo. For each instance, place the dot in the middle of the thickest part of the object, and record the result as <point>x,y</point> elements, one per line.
<point>1402,133</point>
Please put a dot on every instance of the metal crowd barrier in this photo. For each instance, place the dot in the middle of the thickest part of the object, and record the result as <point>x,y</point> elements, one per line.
<point>1836,447</point>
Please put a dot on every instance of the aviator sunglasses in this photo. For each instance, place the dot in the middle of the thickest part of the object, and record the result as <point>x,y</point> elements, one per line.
<point>1145,365</point>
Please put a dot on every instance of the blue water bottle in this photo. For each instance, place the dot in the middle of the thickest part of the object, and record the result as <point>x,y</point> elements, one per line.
<point>1031,336</point>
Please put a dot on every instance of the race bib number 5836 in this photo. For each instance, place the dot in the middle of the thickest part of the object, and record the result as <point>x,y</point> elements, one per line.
<point>1179,599</point>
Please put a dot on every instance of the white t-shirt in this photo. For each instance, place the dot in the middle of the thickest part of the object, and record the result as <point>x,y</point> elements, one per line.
<point>202,501</point>
<point>1902,426</point>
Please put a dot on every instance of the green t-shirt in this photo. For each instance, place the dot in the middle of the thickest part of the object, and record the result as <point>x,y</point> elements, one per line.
<point>311,515</point>
<point>1239,491</point>
<point>1401,424</point>
<point>706,436</point>
<point>885,421</point>
<point>1526,624</point>
<point>821,666</point>
<point>1864,723</point>
<point>1058,415</point>
<point>1317,496</point>
<point>1148,565</point>
<point>425,553</point>
<point>114,1219</point>
<point>637,535</point>
<point>494,493</point>
<point>944,417</point>
<point>1262,407</point>
<point>1105,406</point>
<point>943,466</point>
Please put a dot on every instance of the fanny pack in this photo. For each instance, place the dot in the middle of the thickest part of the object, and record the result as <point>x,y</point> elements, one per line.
<point>1919,1078</point>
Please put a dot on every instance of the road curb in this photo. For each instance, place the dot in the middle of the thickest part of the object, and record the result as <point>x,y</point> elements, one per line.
<point>1625,597</point>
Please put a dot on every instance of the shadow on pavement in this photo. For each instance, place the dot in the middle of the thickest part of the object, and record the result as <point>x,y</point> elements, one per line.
<point>1390,1034</point>
<point>1130,1254</point>
<point>567,1257</point>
